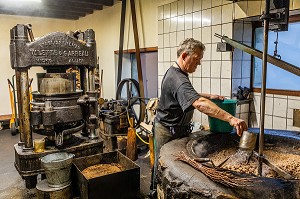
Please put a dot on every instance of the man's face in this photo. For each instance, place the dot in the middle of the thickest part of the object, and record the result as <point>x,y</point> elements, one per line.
<point>191,61</point>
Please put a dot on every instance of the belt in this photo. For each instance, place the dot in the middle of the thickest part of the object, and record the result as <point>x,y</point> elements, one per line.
<point>181,130</point>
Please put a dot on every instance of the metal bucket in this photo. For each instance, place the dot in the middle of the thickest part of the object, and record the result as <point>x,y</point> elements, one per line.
<point>248,141</point>
<point>57,168</point>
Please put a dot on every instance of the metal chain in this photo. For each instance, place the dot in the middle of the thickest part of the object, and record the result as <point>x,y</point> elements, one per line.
<point>276,44</point>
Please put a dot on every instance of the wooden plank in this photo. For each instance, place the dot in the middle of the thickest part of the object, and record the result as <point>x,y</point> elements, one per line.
<point>142,50</point>
<point>5,117</point>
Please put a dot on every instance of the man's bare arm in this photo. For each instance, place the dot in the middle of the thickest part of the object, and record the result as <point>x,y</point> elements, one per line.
<point>211,109</point>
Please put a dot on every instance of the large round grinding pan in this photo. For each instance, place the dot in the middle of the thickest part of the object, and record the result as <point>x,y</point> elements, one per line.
<point>177,179</point>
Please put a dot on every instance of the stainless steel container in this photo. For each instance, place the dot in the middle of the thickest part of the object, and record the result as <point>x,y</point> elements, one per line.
<point>58,168</point>
<point>248,140</point>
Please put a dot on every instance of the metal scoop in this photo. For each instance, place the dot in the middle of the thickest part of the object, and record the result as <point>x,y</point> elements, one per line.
<point>248,141</point>
<point>246,147</point>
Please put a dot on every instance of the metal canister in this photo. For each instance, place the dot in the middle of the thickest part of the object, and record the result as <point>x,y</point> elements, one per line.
<point>248,140</point>
<point>39,145</point>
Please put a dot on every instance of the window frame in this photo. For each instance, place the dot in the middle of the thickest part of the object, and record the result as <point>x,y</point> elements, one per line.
<point>258,24</point>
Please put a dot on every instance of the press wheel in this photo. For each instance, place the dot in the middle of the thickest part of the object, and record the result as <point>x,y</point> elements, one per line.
<point>128,91</point>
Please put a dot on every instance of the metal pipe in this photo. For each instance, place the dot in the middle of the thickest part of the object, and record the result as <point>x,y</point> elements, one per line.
<point>263,87</point>
<point>271,59</point>
<point>91,79</point>
<point>83,82</point>
<point>25,109</point>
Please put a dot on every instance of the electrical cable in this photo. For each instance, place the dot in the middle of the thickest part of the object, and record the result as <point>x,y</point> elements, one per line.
<point>135,131</point>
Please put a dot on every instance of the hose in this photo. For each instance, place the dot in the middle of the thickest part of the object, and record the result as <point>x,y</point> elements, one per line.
<point>135,131</point>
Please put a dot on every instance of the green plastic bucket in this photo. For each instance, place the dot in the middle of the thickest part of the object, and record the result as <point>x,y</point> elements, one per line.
<point>219,126</point>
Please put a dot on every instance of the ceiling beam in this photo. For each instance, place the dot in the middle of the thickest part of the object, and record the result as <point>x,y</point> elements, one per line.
<point>73,3</point>
<point>65,9</point>
<point>43,13</point>
<point>68,8</point>
<point>68,4</point>
<point>49,8</point>
<point>97,2</point>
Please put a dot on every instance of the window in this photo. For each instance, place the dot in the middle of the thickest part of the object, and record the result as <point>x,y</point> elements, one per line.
<point>289,50</point>
<point>149,69</point>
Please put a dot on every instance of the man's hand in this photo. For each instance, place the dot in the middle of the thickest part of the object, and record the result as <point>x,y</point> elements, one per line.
<point>239,124</point>
<point>219,97</point>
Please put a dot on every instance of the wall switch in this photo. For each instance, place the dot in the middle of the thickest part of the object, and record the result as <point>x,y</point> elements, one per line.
<point>224,47</point>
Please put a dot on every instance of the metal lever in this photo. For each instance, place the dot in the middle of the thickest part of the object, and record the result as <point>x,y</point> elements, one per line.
<point>29,28</point>
<point>279,171</point>
<point>273,60</point>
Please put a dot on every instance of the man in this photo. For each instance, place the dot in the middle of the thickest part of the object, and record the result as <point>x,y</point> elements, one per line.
<point>179,99</point>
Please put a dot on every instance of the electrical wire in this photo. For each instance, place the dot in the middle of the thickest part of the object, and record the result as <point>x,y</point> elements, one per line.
<point>135,131</point>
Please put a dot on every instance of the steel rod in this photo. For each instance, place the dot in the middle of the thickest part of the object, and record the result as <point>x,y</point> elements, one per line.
<point>83,82</point>
<point>91,79</point>
<point>263,88</point>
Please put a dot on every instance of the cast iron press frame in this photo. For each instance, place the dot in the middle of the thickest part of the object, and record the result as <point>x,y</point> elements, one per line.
<point>56,49</point>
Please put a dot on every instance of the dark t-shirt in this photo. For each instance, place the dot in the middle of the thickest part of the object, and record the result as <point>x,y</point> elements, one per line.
<point>177,96</point>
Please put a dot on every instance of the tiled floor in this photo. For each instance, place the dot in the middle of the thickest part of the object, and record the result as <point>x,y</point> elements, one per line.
<point>12,186</point>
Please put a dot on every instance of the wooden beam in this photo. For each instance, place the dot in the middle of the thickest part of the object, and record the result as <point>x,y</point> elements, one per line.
<point>50,8</point>
<point>68,8</point>
<point>70,3</point>
<point>41,13</point>
<point>96,2</point>
<point>121,41</point>
<point>61,3</point>
<point>142,50</point>
<point>138,58</point>
<point>63,9</point>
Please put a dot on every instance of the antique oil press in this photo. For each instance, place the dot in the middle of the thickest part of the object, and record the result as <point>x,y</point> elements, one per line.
<point>212,166</point>
<point>66,116</point>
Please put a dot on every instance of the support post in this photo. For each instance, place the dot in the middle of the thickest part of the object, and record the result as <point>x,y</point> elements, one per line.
<point>138,58</point>
<point>263,86</point>
<point>121,42</point>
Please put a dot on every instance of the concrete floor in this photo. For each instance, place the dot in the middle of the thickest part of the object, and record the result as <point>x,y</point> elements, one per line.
<point>12,186</point>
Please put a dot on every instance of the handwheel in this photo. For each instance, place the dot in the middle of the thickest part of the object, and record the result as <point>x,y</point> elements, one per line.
<point>128,91</point>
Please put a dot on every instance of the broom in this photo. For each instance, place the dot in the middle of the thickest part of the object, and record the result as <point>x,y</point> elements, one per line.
<point>224,177</point>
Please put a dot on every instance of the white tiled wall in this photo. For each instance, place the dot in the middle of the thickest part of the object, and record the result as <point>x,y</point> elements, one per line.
<point>220,73</point>
<point>278,111</point>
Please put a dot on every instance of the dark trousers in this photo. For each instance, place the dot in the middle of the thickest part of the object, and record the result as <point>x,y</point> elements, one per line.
<point>162,135</point>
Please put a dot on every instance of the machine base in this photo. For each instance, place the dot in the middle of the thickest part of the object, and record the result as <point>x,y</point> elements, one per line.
<point>44,191</point>
<point>28,163</point>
